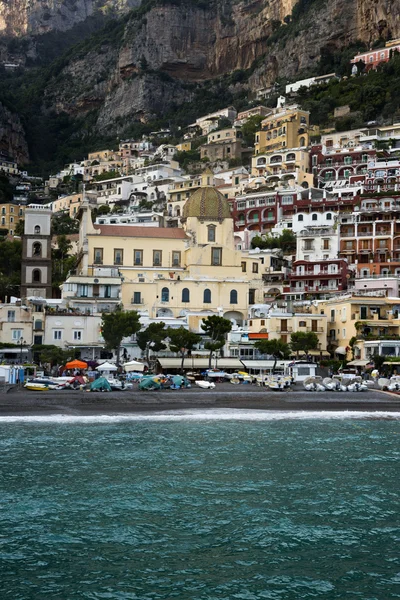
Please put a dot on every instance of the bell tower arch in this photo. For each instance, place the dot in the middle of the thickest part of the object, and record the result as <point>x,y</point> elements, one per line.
<point>36,253</point>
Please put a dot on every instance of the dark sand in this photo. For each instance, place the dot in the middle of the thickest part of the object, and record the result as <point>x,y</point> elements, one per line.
<point>24,402</point>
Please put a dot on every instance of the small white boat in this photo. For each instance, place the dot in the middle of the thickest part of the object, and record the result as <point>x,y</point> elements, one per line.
<point>276,382</point>
<point>394,383</point>
<point>205,385</point>
<point>314,384</point>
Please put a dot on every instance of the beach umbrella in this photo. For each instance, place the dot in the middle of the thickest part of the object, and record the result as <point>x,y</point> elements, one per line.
<point>107,366</point>
<point>76,364</point>
<point>133,365</point>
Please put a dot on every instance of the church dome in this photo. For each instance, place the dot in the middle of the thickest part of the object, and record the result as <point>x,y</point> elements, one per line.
<point>207,203</point>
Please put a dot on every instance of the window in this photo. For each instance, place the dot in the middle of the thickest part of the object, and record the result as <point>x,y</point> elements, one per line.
<point>98,256</point>
<point>300,217</point>
<point>37,229</point>
<point>185,295</point>
<point>137,257</point>
<point>82,291</point>
<point>16,334</point>
<point>308,244</point>
<point>11,209</point>
<point>118,256</point>
<point>252,295</point>
<point>37,249</point>
<point>302,324</point>
<point>107,291</point>
<point>244,266</point>
<point>38,324</point>
<point>57,334</point>
<point>157,258</point>
<point>3,220</point>
<point>11,219</point>
<point>165,295</point>
<point>216,257</point>
<point>77,335</point>
<point>329,216</point>
<point>176,259</point>
<point>325,244</point>
<point>207,297</point>
<point>36,276</point>
<point>11,316</point>
<point>234,297</point>
<point>137,298</point>
<point>255,267</point>
<point>314,217</point>
<point>211,233</point>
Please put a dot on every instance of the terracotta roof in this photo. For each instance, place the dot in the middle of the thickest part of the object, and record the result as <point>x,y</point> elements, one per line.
<point>174,233</point>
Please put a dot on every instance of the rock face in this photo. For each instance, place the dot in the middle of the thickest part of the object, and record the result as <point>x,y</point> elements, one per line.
<point>146,68</point>
<point>12,136</point>
<point>33,17</point>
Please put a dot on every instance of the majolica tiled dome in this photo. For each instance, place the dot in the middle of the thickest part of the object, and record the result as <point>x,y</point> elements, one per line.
<point>207,203</point>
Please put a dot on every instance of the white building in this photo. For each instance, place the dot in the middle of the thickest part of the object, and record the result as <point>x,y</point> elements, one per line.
<point>316,243</point>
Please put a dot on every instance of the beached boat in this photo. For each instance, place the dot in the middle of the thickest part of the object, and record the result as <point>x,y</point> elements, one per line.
<point>276,382</point>
<point>205,385</point>
<point>36,387</point>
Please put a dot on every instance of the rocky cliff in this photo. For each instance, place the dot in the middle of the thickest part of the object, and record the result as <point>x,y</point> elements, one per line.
<point>12,136</point>
<point>159,54</point>
<point>34,17</point>
<point>194,44</point>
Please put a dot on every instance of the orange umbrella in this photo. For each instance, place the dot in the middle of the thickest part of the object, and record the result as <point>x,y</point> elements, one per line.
<point>76,364</point>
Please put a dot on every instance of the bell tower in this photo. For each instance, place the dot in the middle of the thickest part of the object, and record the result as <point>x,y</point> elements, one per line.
<point>36,253</point>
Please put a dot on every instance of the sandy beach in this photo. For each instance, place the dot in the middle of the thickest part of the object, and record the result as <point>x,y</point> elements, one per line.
<point>24,403</point>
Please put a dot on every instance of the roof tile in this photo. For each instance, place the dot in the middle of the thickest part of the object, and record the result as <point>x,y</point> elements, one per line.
<point>174,233</point>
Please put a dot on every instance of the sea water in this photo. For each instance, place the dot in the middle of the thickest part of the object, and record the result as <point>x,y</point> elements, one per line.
<point>213,505</point>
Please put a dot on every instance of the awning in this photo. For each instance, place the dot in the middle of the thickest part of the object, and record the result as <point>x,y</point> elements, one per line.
<point>358,363</point>
<point>341,350</point>
<point>258,336</point>
<point>14,350</point>
<point>200,363</point>
<point>264,364</point>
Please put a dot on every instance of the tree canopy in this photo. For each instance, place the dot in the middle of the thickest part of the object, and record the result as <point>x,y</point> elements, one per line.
<point>182,341</point>
<point>216,329</point>
<point>152,338</point>
<point>285,242</point>
<point>306,341</point>
<point>277,348</point>
<point>10,268</point>
<point>117,325</point>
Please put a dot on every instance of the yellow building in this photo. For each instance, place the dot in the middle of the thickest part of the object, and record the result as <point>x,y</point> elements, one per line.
<point>372,319</point>
<point>169,272</point>
<point>10,216</point>
<point>286,128</point>
<point>184,147</point>
<point>292,163</point>
<point>68,204</point>
<point>277,325</point>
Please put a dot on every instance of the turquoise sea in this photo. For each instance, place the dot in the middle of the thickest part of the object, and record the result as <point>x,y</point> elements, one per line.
<point>200,506</point>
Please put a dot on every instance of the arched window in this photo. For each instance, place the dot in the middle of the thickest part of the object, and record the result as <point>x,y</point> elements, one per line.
<point>37,249</point>
<point>37,229</point>
<point>314,217</point>
<point>300,218</point>
<point>329,216</point>
<point>36,276</point>
<point>207,297</point>
<point>165,295</point>
<point>211,233</point>
<point>185,295</point>
<point>302,141</point>
<point>234,297</point>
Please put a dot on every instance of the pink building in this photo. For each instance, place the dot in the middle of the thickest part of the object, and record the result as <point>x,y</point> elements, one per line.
<point>372,58</point>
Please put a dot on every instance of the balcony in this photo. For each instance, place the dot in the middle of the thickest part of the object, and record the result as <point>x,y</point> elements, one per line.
<point>284,330</point>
